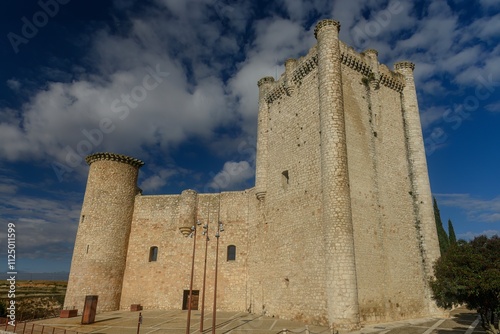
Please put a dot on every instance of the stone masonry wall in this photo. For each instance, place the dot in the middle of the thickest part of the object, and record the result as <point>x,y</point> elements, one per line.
<point>160,284</point>
<point>367,225</point>
<point>286,266</point>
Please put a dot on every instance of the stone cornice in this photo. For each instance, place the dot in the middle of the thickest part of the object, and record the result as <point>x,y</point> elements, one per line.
<point>265,80</point>
<point>114,157</point>
<point>373,51</point>
<point>404,64</point>
<point>276,93</point>
<point>349,58</point>
<point>304,68</point>
<point>355,63</point>
<point>394,82</point>
<point>324,23</point>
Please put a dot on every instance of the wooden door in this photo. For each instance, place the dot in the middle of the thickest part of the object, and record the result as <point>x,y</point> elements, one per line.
<point>194,301</point>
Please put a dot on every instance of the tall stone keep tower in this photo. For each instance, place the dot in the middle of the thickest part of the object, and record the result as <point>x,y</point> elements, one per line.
<point>101,242</point>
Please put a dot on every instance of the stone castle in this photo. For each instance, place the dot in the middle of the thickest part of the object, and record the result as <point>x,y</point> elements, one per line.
<point>339,228</point>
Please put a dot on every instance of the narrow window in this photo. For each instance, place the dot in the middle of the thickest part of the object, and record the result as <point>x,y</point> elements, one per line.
<point>231,253</point>
<point>284,179</point>
<point>83,218</point>
<point>153,254</point>
<point>87,249</point>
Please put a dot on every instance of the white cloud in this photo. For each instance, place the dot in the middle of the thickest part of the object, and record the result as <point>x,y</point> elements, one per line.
<point>8,188</point>
<point>431,115</point>
<point>233,175</point>
<point>14,84</point>
<point>44,227</point>
<point>472,235</point>
<point>493,107</point>
<point>489,3</point>
<point>302,10</point>
<point>158,180</point>
<point>462,59</point>
<point>478,210</point>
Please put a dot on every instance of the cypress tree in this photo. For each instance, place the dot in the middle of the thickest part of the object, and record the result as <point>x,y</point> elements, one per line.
<point>442,236</point>
<point>451,233</point>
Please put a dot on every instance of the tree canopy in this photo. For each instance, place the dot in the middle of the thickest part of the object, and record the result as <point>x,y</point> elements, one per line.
<point>451,232</point>
<point>444,242</point>
<point>469,273</point>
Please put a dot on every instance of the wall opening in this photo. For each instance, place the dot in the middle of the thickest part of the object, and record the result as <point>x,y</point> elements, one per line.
<point>231,253</point>
<point>153,254</point>
<point>285,179</point>
<point>194,301</point>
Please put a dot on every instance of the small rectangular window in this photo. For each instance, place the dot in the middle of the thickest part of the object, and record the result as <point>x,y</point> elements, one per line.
<point>285,179</point>
<point>231,253</point>
<point>153,254</point>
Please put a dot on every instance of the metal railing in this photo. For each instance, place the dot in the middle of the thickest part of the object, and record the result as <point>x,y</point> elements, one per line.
<point>32,328</point>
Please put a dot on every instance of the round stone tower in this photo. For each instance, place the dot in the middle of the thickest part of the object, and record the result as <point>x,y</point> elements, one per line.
<point>422,195</point>
<point>265,85</point>
<point>102,239</point>
<point>341,282</point>
<point>188,208</point>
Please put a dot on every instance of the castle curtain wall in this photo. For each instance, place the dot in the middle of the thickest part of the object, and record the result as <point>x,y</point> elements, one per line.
<point>160,284</point>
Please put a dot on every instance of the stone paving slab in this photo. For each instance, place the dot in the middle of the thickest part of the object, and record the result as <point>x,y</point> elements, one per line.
<point>174,321</point>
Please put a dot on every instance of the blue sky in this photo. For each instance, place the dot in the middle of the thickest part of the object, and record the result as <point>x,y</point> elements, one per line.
<point>173,82</point>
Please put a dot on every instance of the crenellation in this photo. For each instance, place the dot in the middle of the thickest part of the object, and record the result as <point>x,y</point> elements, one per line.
<point>113,157</point>
<point>337,231</point>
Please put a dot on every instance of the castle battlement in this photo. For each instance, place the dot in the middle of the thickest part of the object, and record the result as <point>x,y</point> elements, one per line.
<point>359,62</point>
<point>114,157</point>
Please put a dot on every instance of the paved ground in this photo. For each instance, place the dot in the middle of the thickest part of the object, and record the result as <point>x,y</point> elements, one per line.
<point>461,321</point>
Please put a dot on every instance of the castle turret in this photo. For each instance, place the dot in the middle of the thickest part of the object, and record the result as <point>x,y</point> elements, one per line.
<point>188,207</point>
<point>422,197</point>
<point>262,134</point>
<point>341,285</point>
<point>102,239</point>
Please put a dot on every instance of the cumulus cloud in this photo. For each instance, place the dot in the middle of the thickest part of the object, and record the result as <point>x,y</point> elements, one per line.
<point>431,115</point>
<point>493,107</point>
<point>478,210</point>
<point>203,90</point>
<point>232,176</point>
<point>158,180</point>
<point>44,227</point>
